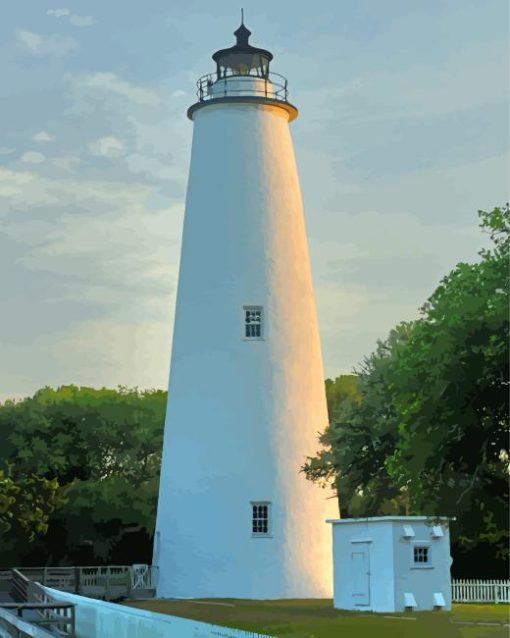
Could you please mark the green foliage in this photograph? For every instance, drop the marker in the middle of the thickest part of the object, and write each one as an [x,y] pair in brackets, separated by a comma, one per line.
[99,450]
[25,507]
[429,434]
[452,450]
[361,438]
[338,391]
[99,514]
[83,433]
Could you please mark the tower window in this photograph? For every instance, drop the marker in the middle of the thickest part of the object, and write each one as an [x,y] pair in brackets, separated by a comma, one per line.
[253,317]
[261,518]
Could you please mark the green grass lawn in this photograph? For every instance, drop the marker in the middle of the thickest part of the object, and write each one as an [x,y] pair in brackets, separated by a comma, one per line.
[318,619]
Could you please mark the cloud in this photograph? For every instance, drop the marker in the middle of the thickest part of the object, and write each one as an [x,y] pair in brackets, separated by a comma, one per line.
[112,83]
[13,183]
[86,248]
[378,271]
[94,195]
[109,352]
[58,13]
[68,163]
[5,150]
[81,21]
[467,79]
[33,157]
[179,93]
[43,137]
[153,168]
[75,19]
[14,177]
[101,269]
[53,45]
[108,146]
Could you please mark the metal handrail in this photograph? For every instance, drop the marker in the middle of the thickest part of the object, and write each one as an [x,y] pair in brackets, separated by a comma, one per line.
[32,596]
[275,86]
[56,614]
[19,583]
[19,628]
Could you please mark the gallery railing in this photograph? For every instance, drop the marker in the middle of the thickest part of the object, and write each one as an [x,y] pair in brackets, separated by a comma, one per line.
[273,86]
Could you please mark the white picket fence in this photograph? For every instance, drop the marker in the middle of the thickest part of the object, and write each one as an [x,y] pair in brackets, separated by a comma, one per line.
[481,591]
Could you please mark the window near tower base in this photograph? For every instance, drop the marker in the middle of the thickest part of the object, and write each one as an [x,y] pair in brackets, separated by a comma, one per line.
[253,322]
[261,518]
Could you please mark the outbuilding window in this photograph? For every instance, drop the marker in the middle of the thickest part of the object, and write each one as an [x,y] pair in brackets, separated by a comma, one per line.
[421,555]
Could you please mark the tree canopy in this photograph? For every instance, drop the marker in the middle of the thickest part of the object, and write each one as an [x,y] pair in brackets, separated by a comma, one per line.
[80,473]
[429,432]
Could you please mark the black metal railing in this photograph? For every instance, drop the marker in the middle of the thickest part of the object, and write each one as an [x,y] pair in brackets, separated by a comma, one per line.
[273,86]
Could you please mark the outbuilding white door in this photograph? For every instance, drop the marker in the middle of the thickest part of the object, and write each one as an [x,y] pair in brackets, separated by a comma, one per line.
[360,570]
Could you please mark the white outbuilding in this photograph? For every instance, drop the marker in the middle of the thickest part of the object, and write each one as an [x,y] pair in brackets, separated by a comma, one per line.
[391,563]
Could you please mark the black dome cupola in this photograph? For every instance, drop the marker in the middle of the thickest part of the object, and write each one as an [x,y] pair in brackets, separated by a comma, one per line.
[242,58]
[242,36]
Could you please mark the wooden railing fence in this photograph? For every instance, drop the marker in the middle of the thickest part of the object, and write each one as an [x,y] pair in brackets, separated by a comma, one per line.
[58,615]
[107,582]
[33,604]
[19,586]
[481,591]
[31,608]
[15,627]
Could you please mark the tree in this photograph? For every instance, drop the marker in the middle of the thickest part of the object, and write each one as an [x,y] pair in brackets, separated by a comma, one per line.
[358,442]
[430,432]
[101,449]
[84,433]
[25,508]
[338,391]
[452,452]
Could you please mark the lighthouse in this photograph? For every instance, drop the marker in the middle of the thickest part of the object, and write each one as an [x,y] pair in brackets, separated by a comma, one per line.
[236,517]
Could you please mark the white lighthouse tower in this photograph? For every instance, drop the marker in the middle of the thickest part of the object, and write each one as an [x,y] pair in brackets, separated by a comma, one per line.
[236,517]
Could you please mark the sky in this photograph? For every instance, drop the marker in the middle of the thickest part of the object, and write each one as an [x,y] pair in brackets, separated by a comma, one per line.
[402,136]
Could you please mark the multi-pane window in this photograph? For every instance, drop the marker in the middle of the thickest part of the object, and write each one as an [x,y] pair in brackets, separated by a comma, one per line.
[260,522]
[421,554]
[253,322]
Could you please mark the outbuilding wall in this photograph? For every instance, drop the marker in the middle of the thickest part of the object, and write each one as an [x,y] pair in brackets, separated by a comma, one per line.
[422,582]
[393,581]
[348,539]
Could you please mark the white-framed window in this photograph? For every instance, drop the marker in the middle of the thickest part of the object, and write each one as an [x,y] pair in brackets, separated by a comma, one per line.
[253,322]
[421,554]
[260,518]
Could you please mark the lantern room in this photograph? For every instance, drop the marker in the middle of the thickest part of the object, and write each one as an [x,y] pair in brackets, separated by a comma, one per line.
[243,76]
[242,58]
